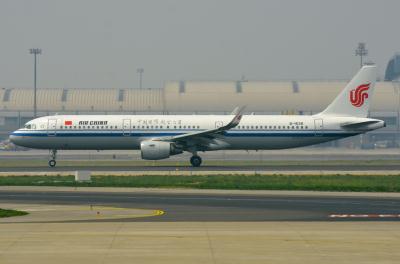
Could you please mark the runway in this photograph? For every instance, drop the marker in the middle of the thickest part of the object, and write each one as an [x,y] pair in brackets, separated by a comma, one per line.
[305,159]
[223,207]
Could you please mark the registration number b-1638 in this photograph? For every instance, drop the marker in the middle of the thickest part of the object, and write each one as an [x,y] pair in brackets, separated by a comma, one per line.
[296,123]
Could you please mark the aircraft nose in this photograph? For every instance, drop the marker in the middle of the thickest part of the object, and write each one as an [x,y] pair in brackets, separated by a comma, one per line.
[14,138]
[19,139]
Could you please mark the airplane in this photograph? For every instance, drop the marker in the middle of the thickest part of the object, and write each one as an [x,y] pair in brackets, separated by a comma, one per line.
[161,136]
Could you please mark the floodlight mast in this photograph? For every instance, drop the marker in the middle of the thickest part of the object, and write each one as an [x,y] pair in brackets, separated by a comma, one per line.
[140,71]
[361,51]
[35,52]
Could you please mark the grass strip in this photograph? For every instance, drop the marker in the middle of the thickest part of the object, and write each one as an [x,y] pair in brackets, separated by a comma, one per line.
[10,213]
[354,183]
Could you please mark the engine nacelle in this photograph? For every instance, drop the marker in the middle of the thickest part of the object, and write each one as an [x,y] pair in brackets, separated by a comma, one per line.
[156,150]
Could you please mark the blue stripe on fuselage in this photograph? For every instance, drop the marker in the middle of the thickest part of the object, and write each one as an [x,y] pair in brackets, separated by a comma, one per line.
[162,134]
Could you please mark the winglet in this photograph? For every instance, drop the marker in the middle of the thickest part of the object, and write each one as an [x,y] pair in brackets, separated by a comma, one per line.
[238,109]
[238,112]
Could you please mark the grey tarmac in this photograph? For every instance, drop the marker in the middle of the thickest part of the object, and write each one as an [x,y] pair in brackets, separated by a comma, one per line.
[220,206]
[222,168]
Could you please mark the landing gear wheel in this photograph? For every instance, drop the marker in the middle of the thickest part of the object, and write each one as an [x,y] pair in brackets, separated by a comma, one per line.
[52,163]
[195,161]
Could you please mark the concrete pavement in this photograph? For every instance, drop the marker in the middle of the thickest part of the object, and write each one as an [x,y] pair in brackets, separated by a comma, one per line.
[200,242]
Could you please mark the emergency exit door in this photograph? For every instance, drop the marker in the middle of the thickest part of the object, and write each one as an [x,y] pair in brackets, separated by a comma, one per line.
[126,127]
[319,126]
[219,124]
[51,127]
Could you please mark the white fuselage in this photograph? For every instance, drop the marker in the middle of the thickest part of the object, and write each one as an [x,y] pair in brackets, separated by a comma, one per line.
[254,132]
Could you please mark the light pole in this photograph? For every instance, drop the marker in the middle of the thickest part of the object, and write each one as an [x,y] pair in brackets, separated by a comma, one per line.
[35,52]
[361,51]
[140,71]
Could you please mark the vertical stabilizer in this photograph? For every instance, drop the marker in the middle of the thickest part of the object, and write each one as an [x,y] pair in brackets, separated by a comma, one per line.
[355,98]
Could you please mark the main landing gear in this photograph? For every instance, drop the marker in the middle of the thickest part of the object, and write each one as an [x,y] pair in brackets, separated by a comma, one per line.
[195,161]
[52,162]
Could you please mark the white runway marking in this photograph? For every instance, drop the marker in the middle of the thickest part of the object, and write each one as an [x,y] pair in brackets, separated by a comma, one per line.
[364,216]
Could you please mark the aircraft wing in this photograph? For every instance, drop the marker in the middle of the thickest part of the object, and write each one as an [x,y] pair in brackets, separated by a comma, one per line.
[204,137]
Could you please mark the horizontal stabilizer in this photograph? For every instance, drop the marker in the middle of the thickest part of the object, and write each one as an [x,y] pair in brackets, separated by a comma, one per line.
[364,125]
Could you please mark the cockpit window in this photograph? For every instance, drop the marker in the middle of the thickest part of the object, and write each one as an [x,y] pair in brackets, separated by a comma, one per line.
[28,126]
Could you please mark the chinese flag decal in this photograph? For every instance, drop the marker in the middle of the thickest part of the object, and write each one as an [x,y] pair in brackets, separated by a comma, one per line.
[68,123]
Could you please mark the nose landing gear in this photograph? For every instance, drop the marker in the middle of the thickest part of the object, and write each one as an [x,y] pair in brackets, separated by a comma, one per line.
[52,162]
[195,161]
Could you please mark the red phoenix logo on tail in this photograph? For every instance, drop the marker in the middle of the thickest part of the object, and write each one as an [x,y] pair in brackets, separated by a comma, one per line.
[358,95]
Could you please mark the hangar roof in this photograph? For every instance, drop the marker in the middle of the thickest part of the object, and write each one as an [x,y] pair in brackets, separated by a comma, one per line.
[190,96]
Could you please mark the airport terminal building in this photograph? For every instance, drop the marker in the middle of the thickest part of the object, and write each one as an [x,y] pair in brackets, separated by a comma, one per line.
[204,97]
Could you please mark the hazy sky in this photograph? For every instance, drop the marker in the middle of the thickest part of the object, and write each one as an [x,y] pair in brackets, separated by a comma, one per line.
[100,43]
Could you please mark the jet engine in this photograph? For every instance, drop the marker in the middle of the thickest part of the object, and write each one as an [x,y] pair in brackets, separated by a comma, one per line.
[156,150]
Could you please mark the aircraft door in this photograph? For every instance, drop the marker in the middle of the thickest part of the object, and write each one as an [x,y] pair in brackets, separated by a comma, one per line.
[126,127]
[51,127]
[219,124]
[319,126]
